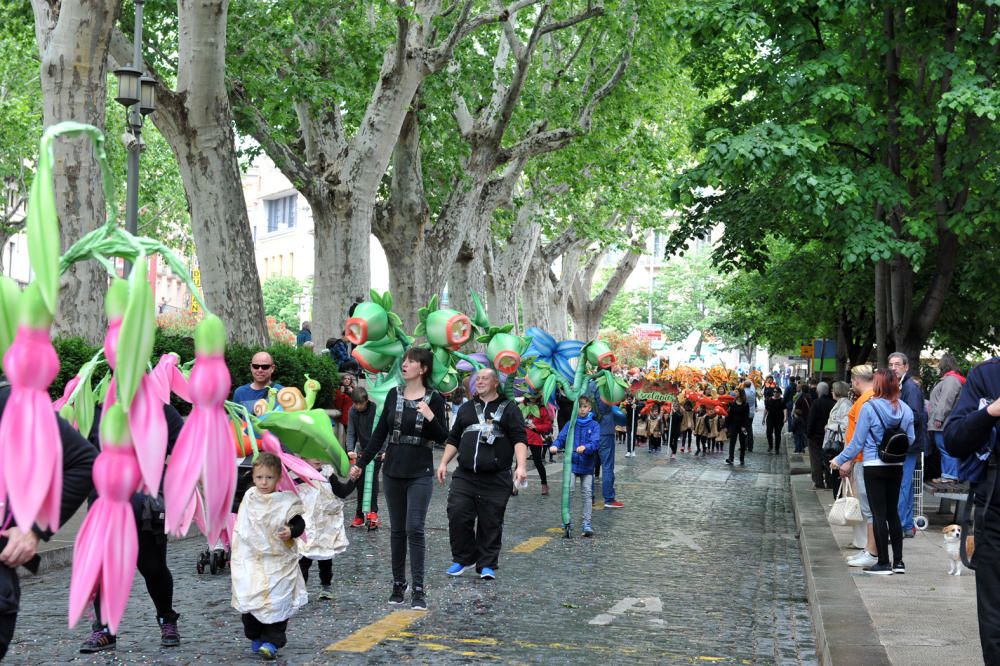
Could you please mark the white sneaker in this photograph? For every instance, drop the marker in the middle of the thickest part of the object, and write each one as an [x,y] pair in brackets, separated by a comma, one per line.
[862,559]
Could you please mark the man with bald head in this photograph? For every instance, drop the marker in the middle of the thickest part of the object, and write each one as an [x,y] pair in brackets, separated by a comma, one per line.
[487,436]
[261,367]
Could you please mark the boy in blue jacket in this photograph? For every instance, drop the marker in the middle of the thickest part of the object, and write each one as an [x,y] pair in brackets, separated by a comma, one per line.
[586,443]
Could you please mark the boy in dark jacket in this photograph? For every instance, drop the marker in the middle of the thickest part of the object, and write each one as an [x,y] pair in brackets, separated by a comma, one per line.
[586,443]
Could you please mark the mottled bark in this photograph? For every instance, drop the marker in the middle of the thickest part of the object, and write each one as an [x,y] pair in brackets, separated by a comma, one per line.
[73,38]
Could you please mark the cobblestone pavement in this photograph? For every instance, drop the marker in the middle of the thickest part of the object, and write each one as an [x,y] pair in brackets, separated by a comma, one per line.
[701,565]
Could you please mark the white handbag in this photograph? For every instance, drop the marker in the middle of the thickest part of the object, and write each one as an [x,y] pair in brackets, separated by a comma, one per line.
[846,509]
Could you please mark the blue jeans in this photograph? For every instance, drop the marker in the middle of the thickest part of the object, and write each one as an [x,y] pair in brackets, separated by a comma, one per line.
[949,465]
[905,506]
[607,452]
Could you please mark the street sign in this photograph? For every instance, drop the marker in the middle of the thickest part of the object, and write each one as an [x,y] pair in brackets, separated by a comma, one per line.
[806,351]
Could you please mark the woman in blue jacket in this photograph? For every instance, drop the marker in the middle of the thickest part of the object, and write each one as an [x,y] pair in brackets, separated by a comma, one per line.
[882,480]
[586,443]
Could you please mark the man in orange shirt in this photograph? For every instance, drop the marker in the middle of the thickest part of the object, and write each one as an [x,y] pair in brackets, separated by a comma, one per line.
[862,381]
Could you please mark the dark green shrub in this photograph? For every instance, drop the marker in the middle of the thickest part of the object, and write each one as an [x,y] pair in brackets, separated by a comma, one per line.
[73,354]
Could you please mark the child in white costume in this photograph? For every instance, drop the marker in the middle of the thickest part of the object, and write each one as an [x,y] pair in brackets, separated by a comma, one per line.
[325,536]
[267,583]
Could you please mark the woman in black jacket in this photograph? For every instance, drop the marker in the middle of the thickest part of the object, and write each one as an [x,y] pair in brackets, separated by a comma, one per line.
[737,423]
[774,419]
[413,419]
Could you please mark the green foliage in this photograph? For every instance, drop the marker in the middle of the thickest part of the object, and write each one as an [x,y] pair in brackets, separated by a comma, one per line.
[20,106]
[866,128]
[279,299]
[684,298]
[73,354]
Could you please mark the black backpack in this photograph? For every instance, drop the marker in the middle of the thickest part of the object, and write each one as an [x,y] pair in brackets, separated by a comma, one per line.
[894,445]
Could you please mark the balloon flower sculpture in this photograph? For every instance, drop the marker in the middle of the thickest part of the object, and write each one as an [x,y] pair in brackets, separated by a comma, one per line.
[550,364]
[133,431]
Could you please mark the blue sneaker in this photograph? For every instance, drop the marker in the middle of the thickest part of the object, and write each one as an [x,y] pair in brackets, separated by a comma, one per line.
[488,574]
[267,651]
[457,569]
[255,645]
[588,531]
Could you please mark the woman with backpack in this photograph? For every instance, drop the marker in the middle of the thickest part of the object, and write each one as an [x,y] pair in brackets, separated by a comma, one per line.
[883,434]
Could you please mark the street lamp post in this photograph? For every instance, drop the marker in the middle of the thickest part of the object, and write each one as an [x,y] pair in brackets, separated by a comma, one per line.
[137,93]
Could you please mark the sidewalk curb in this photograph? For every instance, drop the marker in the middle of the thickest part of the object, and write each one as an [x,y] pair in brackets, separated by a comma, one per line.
[845,632]
[59,558]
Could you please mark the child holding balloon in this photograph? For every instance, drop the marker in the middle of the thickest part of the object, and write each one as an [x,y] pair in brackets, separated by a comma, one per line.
[586,442]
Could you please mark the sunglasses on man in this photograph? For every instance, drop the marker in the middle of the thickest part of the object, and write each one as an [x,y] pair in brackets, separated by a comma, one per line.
[257,366]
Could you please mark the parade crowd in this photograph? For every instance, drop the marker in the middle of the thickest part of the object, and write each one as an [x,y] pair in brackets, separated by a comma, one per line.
[872,432]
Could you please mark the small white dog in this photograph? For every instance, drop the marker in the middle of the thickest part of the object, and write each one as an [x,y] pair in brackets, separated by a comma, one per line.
[952,540]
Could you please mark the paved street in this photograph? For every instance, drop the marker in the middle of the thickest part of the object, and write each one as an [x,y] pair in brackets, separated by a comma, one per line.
[701,565]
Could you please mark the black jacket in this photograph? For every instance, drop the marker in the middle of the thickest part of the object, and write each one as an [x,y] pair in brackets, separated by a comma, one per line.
[406,460]
[738,418]
[969,426]
[819,414]
[78,462]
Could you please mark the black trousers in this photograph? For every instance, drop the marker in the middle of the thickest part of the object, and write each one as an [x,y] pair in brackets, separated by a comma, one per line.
[152,564]
[774,434]
[538,457]
[359,512]
[882,485]
[325,570]
[273,633]
[987,562]
[654,443]
[408,500]
[743,444]
[816,460]
[475,523]
[10,597]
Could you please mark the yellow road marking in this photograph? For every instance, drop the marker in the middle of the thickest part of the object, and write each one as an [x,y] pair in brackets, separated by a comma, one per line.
[555,530]
[434,642]
[366,638]
[531,545]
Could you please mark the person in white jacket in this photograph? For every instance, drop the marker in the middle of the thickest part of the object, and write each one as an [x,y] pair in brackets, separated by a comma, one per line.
[836,427]
[267,584]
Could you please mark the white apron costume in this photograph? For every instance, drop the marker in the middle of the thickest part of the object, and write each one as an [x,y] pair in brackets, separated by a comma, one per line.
[267,582]
[325,535]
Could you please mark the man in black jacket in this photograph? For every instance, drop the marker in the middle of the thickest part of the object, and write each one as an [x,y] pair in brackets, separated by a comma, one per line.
[819,414]
[19,547]
[971,429]
[487,436]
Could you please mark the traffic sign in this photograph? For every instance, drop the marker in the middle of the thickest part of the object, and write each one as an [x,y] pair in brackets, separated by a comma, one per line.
[806,351]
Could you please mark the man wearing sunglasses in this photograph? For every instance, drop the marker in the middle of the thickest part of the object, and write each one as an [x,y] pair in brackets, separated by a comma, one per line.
[261,367]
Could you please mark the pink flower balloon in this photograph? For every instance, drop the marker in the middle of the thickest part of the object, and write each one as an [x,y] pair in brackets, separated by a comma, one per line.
[30,446]
[107,545]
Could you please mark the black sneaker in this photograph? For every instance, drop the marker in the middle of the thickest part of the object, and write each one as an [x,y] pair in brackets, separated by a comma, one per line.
[879,570]
[899,568]
[398,590]
[417,600]
[169,636]
[99,641]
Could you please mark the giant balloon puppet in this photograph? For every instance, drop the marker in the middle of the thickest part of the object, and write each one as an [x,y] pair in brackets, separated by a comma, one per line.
[199,481]
[536,362]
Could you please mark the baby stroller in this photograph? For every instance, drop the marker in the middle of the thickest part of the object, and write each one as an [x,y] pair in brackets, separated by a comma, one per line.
[216,559]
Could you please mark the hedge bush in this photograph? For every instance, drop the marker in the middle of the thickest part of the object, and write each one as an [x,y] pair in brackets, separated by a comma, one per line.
[291,364]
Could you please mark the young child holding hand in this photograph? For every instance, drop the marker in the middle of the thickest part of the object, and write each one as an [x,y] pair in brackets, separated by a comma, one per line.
[586,441]
[267,583]
[325,535]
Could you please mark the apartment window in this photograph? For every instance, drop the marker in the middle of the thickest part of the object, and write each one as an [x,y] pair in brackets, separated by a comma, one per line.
[280,213]
[281,268]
